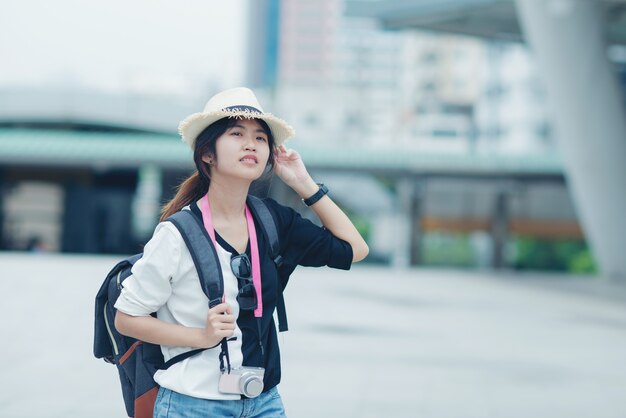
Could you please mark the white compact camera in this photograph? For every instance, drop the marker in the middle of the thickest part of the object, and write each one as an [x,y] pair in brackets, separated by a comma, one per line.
[246,381]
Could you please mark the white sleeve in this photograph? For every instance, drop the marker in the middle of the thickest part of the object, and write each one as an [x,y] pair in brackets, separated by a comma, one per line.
[149,286]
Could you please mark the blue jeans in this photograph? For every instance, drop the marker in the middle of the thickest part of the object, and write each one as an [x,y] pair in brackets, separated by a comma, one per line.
[170,404]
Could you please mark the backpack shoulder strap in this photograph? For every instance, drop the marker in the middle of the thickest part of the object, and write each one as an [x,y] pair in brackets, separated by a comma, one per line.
[197,241]
[206,262]
[268,225]
[259,208]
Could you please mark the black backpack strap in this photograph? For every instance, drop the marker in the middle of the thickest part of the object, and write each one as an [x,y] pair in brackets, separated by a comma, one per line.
[207,264]
[268,225]
[203,254]
[181,357]
[281,312]
[259,208]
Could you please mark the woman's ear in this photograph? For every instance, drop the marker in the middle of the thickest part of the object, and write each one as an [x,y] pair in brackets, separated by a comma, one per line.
[208,159]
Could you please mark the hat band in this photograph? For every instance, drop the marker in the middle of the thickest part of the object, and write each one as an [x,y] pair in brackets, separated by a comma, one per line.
[242,108]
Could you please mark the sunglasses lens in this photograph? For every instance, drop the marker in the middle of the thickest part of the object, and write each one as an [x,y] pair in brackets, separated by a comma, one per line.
[242,269]
[247,297]
[241,266]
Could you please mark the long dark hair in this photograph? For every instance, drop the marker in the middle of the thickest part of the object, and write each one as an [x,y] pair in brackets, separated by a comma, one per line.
[197,185]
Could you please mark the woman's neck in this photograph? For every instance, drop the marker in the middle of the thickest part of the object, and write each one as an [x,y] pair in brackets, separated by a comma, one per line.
[228,200]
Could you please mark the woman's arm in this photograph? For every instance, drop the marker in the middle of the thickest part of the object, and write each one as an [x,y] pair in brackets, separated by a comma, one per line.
[290,168]
[220,324]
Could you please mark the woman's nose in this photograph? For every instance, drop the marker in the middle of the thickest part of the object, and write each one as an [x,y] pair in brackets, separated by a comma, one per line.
[250,144]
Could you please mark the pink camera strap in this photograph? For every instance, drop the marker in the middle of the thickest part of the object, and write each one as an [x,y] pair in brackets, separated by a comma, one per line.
[207,219]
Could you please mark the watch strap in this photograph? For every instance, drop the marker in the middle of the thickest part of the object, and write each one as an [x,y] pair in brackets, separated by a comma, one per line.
[317,195]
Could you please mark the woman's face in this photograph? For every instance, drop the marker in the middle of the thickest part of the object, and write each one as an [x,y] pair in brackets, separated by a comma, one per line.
[242,151]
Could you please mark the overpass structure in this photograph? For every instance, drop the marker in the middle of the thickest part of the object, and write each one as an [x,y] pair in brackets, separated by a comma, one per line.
[103,150]
[569,39]
[103,164]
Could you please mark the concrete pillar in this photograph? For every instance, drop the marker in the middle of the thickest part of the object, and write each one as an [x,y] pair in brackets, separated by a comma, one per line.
[415,213]
[499,228]
[3,187]
[146,205]
[410,197]
[566,37]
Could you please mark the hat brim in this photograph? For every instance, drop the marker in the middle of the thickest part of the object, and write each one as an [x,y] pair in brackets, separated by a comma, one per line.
[190,127]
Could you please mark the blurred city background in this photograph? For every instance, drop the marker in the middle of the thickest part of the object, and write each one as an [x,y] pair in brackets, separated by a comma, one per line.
[430,121]
[478,145]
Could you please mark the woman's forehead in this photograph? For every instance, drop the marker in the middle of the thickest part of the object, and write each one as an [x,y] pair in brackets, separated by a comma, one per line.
[248,123]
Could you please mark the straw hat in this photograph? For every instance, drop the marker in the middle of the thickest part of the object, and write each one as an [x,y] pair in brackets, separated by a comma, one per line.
[239,102]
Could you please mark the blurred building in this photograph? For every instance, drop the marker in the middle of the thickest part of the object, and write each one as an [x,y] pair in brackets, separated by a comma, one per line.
[425,139]
[438,92]
[348,84]
[570,40]
[511,112]
[80,188]
[263,44]
[343,74]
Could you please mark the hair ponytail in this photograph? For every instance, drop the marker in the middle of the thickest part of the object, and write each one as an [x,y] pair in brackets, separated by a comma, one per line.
[190,190]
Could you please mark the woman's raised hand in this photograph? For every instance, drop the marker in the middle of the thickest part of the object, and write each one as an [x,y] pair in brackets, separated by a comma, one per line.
[289,166]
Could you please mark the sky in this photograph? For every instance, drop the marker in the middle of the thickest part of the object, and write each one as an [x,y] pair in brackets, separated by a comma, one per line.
[138,46]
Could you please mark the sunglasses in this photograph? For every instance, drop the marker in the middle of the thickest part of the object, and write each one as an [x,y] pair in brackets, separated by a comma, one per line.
[242,269]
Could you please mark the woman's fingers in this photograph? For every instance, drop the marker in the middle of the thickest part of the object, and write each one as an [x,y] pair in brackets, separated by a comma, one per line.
[221,317]
[286,154]
[220,323]
[221,309]
[227,326]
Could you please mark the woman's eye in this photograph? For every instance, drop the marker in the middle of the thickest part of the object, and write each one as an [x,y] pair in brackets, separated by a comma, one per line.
[261,138]
[236,133]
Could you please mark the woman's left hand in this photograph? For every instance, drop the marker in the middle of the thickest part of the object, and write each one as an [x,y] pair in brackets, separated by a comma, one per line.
[289,166]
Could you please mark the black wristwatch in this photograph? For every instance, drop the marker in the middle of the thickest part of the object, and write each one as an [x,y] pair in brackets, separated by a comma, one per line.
[317,196]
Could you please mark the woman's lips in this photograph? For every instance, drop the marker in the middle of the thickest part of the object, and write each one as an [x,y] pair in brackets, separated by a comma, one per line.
[249,159]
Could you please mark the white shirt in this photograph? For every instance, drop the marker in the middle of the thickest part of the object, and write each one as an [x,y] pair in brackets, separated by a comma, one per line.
[165,281]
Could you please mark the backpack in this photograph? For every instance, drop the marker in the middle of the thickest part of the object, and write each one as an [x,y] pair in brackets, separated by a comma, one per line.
[138,361]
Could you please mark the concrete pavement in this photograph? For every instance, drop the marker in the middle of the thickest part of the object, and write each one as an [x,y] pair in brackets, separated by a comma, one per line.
[428,343]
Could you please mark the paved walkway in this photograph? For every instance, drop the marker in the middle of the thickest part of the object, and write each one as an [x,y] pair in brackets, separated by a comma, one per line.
[431,343]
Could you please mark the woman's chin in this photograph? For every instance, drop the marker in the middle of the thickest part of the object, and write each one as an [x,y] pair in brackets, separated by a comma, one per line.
[249,175]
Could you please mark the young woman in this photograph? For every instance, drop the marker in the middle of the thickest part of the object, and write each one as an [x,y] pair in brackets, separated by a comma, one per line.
[234,142]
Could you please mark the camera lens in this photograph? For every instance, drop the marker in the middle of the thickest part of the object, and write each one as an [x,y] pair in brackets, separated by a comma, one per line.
[251,386]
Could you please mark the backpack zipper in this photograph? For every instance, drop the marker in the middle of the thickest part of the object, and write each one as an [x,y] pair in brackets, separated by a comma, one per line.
[106,322]
[119,285]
